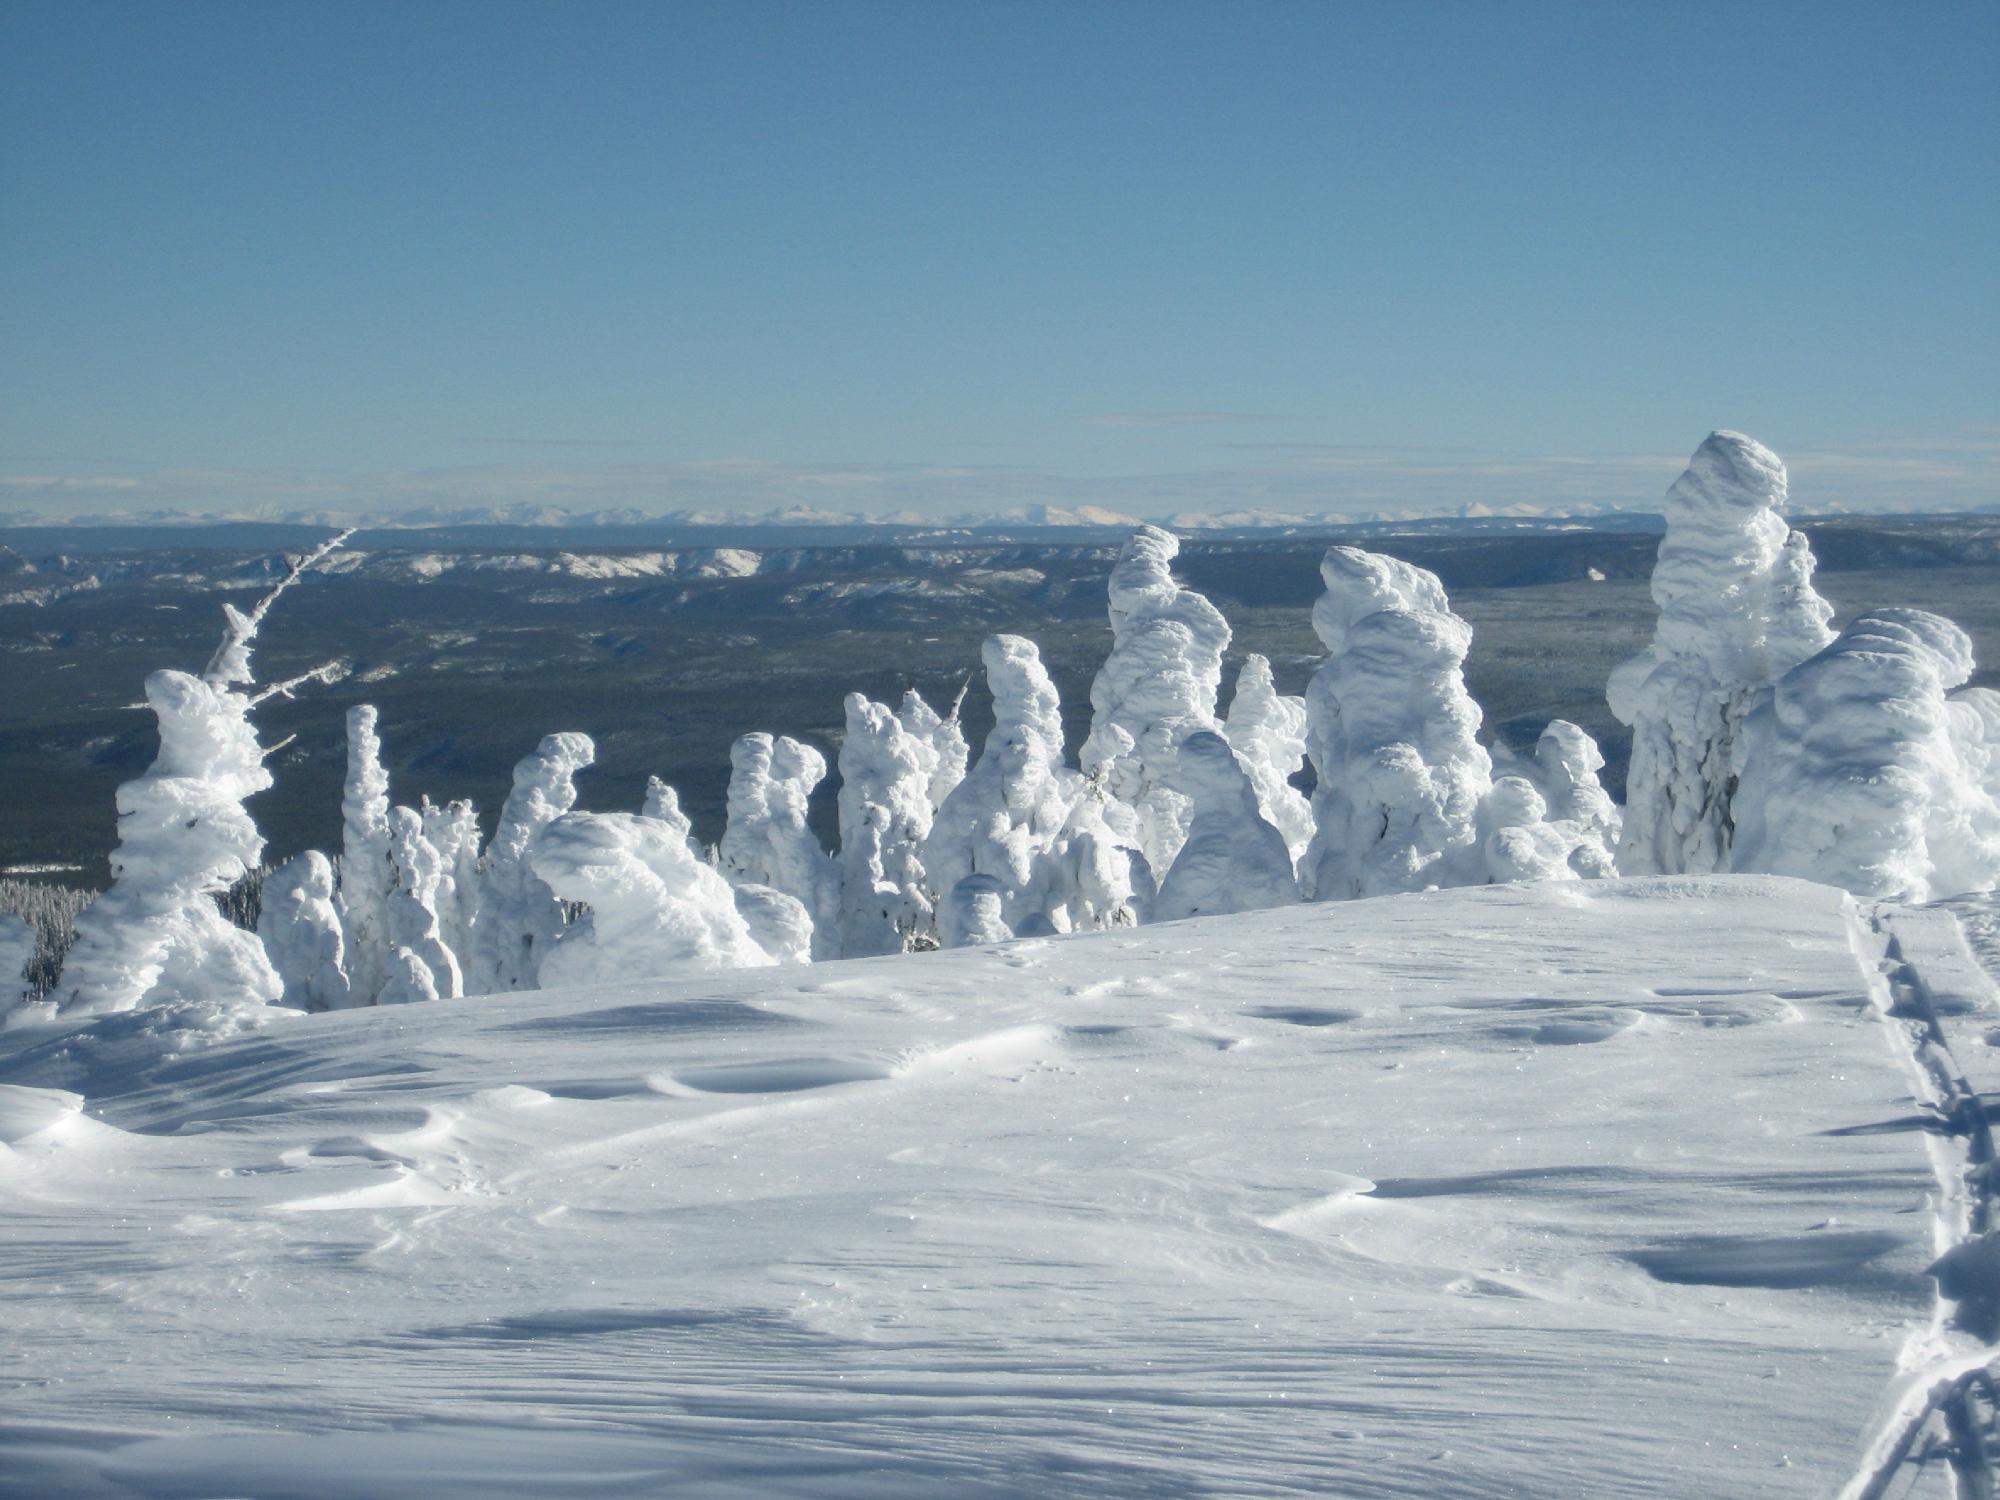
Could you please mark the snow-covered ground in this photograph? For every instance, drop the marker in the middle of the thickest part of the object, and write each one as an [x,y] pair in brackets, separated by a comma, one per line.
[1584,1189]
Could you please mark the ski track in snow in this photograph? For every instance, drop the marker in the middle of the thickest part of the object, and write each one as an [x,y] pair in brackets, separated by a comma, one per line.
[1598,1190]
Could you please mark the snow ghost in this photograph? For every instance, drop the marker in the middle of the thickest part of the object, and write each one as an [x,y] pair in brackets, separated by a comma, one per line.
[1737,611]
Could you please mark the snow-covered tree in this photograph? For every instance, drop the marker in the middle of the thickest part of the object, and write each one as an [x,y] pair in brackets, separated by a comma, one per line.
[300,924]
[767,840]
[366,877]
[1737,611]
[1007,817]
[1581,817]
[655,910]
[1157,686]
[945,752]
[885,815]
[157,936]
[1267,730]
[453,831]
[1853,775]
[412,909]
[1393,734]
[519,916]
[1234,859]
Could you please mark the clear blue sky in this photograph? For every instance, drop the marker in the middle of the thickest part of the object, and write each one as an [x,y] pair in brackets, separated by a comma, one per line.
[951,255]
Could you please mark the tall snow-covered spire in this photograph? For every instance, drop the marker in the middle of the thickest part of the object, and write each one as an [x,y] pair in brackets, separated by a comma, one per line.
[1157,686]
[1737,611]
[885,816]
[366,876]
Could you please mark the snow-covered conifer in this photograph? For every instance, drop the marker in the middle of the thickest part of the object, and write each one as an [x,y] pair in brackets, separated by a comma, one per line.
[453,830]
[1267,730]
[1737,611]
[1852,772]
[885,815]
[157,936]
[366,877]
[943,740]
[767,840]
[655,909]
[302,932]
[1392,733]
[412,909]
[1158,685]
[1234,858]
[1007,817]
[519,916]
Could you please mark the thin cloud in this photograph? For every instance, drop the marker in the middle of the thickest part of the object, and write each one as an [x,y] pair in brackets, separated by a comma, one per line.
[1175,418]
[538,442]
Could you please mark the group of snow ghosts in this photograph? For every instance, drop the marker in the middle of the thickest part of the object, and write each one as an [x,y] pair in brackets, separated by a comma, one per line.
[1761,741]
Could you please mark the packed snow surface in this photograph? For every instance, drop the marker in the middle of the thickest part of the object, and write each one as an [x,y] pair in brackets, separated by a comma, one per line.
[1582,1188]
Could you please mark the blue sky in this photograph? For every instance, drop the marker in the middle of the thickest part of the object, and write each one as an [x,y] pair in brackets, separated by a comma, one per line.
[950,256]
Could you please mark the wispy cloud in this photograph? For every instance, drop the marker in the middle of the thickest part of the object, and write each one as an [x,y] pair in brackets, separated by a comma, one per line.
[546,442]
[1175,418]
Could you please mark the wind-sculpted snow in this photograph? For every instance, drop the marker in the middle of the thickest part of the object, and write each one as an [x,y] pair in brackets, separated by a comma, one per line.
[1608,1189]
[664,803]
[1853,774]
[1157,686]
[519,917]
[453,831]
[299,922]
[885,816]
[1007,817]
[1267,730]
[766,840]
[1393,734]
[655,910]
[1234,859]
[1737,611]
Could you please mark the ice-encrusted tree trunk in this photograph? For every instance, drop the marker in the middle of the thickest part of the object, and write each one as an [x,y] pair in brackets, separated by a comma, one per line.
[299,921]
[766,839]
[1737,611]
[1157,686]
[412,910]
[1853,774]
[655,910]
[885,816]
[519,916]
[1267,730]
[1393,735]
[1007,817]
[945,752]
[157,936]
[366,877]
[1235,859]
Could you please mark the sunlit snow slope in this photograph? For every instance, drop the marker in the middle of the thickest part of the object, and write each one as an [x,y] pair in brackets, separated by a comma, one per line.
[1587,1189]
